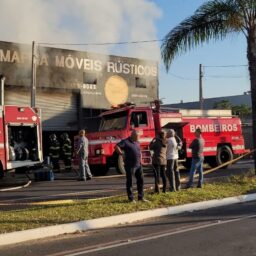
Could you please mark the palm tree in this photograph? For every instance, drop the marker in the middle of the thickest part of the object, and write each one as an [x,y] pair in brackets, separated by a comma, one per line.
[215,20]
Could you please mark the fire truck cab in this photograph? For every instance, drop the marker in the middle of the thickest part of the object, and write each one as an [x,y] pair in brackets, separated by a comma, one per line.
[221,131]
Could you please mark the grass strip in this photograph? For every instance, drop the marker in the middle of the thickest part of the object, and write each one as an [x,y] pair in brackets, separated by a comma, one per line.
[45,215]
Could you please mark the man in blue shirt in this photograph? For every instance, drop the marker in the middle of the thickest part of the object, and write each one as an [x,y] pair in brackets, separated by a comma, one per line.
[130,149]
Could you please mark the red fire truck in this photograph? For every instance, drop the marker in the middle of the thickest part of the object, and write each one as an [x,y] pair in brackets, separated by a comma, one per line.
[221,131]
[20,136]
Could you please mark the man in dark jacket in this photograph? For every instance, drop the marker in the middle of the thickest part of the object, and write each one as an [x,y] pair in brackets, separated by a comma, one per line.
[197,147]
[130,149]
[54,151]
[158,146]
[66,149]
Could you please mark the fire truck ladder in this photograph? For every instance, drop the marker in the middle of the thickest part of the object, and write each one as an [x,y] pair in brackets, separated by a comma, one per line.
[145,155]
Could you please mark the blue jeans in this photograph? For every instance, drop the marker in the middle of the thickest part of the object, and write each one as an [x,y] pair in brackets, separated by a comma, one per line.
[84,169]
[138,172]
[196,165]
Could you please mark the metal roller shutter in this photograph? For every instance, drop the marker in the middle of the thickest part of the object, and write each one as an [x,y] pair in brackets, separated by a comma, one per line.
[59,109]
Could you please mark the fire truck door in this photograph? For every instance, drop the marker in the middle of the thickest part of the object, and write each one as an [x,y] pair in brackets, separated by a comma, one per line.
[139,121]
[177,127]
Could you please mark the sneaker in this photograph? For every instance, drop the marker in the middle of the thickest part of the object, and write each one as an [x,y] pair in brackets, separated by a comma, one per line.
[89,177]
[132,201]
[143,200]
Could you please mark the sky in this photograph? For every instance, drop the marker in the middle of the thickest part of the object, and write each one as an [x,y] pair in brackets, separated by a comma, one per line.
[91,21]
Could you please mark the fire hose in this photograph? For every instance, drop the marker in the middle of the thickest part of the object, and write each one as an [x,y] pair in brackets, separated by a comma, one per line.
[228,163]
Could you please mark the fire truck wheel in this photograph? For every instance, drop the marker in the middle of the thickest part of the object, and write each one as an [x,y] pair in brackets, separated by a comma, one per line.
[211,160]
[120,165]
[99,170]
[187,163]
[224,154]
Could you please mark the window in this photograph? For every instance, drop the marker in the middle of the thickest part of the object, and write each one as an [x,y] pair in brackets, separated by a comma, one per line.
[139,119]
[140,82]
[90,78]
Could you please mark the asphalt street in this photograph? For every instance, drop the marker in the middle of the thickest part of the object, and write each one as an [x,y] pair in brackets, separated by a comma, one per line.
[228,230]
[66,186]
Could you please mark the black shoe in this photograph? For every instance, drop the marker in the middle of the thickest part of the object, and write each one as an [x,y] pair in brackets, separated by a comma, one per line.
[89,177]
[188,186]
[199,186]
[81,179]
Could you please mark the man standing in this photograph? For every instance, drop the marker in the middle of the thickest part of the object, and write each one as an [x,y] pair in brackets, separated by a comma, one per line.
[82,152]
[158,146]
[173,173]
[132,164]
[197,147]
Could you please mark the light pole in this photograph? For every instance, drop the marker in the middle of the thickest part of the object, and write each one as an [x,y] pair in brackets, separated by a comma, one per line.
[33,77]
[201,99]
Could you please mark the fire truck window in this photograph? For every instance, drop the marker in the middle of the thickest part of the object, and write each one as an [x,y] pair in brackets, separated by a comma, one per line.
[139,119]
[115,121]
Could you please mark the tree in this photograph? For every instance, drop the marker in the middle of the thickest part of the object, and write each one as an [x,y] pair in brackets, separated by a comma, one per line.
[215,20]
[241,110]
[223,104]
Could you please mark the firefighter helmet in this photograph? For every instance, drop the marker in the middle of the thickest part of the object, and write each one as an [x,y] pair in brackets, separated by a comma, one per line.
[64,136]
[53,137]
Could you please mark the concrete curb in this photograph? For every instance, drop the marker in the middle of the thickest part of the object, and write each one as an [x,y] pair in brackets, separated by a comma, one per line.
[31,234]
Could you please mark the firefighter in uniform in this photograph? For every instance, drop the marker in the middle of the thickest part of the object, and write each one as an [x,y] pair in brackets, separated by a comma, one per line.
[54,151]
[66,149]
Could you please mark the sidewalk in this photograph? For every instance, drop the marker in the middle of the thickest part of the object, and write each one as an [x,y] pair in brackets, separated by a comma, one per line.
[31,234]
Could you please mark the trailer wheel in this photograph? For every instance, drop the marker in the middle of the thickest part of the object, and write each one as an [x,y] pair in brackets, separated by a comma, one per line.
[224,154]
[120,165]
[99,170]
[12,155]
[1,171]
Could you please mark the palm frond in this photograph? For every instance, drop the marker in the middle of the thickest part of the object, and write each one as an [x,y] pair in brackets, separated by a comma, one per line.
[213,20]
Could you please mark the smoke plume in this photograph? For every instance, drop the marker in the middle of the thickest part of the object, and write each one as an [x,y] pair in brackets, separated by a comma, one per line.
[83,21]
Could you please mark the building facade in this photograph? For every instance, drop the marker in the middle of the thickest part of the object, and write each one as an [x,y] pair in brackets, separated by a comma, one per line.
[73,87]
